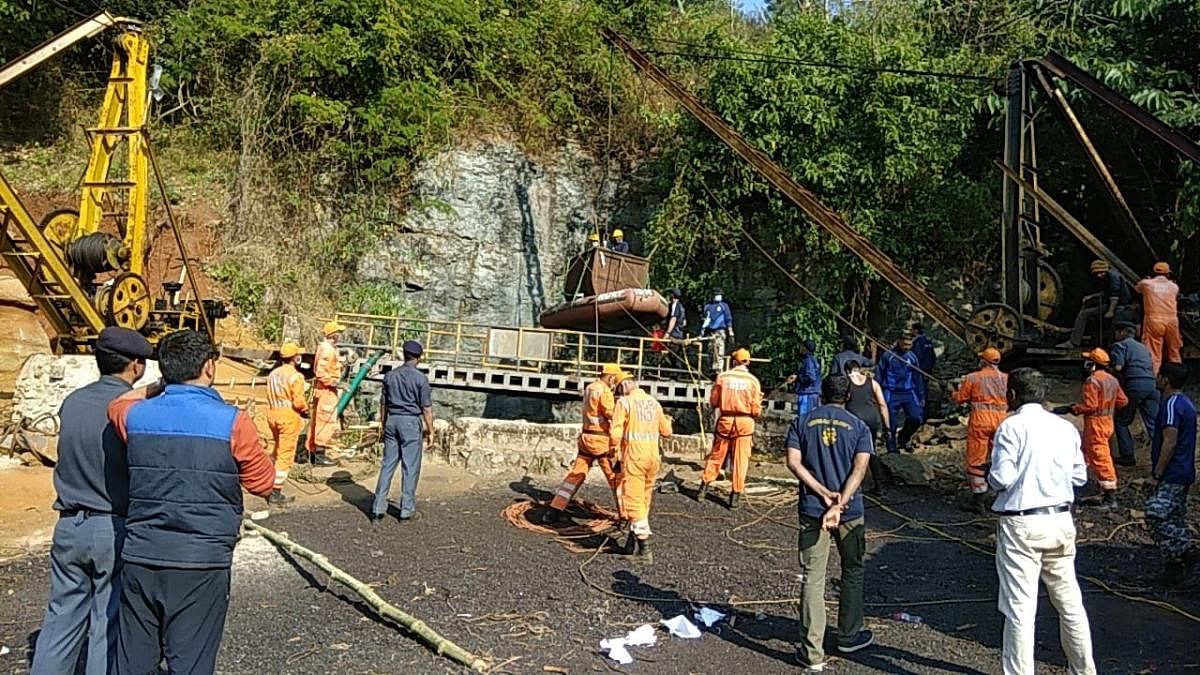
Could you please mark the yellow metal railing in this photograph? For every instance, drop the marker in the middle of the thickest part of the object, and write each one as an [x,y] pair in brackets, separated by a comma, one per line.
[528,349]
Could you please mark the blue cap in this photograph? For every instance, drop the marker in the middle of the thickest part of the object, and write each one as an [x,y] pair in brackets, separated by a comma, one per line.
[128,343]
[413,348]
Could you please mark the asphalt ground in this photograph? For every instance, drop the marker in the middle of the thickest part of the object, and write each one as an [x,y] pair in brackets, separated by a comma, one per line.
[529,605]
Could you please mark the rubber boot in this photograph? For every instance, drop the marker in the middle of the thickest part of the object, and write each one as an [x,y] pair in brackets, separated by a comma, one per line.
[630,546]
[644,555]
[702,494]
[301,456]
[551,516]
[319,458]
[735,498]
[1108,501]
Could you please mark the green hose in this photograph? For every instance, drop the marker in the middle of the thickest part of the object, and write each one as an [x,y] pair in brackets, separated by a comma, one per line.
[355,382]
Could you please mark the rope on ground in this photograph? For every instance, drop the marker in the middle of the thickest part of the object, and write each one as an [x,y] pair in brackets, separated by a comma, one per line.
[596,521]
[440,645]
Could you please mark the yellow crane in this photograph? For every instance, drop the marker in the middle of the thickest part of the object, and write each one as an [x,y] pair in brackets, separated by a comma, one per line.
[83,278]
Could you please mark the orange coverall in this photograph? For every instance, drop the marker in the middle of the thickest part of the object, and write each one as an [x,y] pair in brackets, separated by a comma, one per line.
[637,424]
[1160,322]
[327,369]
[1102,395]
[593,444]
[285,396]
[738,395]
[985,390]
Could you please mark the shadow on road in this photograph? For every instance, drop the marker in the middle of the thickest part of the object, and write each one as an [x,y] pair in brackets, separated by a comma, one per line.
[525,487]
[352,493]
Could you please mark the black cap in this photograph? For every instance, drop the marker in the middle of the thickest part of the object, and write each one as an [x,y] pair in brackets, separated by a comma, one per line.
[676,293]
[1125,325]
[412,348]
[125,342]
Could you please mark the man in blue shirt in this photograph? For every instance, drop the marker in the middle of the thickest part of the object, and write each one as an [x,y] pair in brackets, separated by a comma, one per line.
[849,353]
[1135,370]
[897,374]
[718,325]
[926,358]
[829,450]
[1173,468]
[407,417]
[807,379]
[676,315]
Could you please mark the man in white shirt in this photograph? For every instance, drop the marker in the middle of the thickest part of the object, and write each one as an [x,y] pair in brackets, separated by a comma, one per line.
[1037,462]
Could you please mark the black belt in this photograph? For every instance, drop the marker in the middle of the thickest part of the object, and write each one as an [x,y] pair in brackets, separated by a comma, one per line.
[1042,511]
[86,513]
[398,413]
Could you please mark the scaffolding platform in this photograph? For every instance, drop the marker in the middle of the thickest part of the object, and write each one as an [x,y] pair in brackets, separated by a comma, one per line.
[538,362]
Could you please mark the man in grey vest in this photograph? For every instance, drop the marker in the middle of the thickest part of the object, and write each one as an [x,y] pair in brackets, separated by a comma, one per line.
[92,483]
[1134,369]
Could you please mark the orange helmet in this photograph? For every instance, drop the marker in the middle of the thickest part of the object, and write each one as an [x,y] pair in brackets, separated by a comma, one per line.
[1097,356]
[991,355]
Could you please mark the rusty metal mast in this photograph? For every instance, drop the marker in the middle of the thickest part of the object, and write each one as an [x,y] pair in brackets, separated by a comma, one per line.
[796,193]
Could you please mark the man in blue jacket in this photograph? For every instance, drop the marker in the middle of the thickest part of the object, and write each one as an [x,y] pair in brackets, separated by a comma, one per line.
[898,375]
[718,326]
[807,379]
[922,346]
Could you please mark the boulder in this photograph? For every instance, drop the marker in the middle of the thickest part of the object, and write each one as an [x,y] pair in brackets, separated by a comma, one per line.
[908,469]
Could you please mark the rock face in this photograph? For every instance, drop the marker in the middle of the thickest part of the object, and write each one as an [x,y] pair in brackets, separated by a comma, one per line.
[489,231]
[46,380]
[23,332]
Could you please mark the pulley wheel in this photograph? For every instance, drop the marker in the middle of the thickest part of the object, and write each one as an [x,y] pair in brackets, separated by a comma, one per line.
[127,301]
[1050,291]
[993,325]
[58,227]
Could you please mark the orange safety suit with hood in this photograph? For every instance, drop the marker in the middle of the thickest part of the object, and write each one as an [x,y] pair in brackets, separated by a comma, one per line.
[737,395]
[285,398]
[986,392]
[1160,320]
[327,372]
[594,445]
[1102,395]
[638,422]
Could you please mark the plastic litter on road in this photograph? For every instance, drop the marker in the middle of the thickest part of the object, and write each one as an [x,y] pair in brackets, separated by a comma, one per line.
[708,616]
[681,627]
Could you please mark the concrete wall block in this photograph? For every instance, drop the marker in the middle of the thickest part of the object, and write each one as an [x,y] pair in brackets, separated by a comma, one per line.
[46,380]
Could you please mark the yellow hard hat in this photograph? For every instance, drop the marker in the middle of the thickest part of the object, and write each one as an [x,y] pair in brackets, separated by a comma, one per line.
[618,233]
[624,377]
[289,350]
[991,355]
[1097,355]
[1161,267]
[1099,266]
[741,355]
[332,327]
[593,237]
[612,369]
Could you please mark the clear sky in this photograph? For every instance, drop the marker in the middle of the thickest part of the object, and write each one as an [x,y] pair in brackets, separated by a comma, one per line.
[751,6]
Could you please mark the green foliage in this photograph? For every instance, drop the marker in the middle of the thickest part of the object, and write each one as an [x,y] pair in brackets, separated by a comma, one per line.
[787,330]
[246,288]
[379,299]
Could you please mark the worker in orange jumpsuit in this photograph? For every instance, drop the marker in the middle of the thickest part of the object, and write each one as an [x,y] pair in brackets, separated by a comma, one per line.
[593,444]
[1160,320]
[638,422]
[1102,396]
[737,398]
[285,396]
[985,391]
[327,371]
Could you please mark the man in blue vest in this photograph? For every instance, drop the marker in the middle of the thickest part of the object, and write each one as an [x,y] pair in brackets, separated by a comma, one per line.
[718,326]
[190,454]
[807,379]
[897,374]
[93,492]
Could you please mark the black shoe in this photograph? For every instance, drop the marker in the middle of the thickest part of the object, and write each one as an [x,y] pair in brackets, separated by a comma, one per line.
[864,639]
[319,458]
[415,515]
[277,498]
[735,499]
[301,457]
[376,518]
[1108,501]
[1173,574]
[551,516]
[702,494]
[1129,460]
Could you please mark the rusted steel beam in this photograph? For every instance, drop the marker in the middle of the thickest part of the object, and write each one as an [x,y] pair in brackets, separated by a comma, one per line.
[800,196]
[1061,67]
[1083,235]
[1129,222]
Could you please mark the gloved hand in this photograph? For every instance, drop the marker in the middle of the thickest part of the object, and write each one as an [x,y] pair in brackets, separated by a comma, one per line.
[1061,410]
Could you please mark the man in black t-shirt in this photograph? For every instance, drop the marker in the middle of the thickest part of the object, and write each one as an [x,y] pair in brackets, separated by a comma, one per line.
[829,450]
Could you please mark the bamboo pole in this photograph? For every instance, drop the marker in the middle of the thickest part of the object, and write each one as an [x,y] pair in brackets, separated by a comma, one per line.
[441,645]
